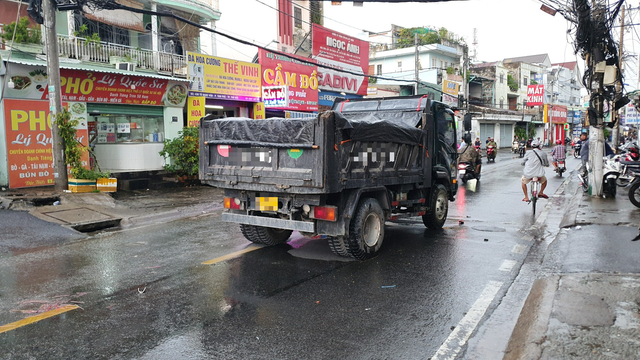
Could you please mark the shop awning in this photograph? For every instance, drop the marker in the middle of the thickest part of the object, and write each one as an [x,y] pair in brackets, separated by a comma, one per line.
[90,67]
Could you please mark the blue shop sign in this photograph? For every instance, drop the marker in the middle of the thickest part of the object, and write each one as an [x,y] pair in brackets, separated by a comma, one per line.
[577,114]
[326,98]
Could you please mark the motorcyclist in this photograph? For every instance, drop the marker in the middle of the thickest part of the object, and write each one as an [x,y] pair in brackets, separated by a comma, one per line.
[534,163]
[492,143]
[469,154]
[559,152]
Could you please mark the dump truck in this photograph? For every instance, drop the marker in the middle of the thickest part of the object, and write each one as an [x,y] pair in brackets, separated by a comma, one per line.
[342,173]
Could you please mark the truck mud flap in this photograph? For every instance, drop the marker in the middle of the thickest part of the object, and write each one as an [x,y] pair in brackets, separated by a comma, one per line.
[269,222]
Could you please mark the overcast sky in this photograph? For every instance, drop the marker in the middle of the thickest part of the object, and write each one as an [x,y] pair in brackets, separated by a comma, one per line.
[505,28]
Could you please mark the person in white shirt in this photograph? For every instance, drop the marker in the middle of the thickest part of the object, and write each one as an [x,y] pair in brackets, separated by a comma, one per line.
[534,162]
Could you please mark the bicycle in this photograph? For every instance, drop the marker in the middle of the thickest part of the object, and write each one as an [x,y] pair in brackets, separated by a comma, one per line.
[535,188]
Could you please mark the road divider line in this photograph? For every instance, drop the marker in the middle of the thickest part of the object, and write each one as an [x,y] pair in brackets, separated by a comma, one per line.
[233,255]
[36,318]
[507,265]
[460,335]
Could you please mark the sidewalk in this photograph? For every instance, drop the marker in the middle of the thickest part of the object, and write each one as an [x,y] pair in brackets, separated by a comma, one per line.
[586,303]
[88,212]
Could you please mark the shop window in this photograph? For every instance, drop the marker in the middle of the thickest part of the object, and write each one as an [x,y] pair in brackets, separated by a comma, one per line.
[121,129]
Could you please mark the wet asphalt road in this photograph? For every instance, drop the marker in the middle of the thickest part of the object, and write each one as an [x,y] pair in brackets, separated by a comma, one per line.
[144,293]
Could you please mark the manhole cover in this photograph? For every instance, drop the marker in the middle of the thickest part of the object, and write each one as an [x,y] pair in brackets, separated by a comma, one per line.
[78,215]
[489,228]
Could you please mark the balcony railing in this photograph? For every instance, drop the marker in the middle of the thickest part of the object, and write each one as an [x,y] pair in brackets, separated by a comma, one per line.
[108,53]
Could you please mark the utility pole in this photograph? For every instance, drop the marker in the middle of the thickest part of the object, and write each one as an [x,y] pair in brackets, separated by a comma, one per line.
[596,133]
[465,71]
[55,97]
[615,136]
[417,61]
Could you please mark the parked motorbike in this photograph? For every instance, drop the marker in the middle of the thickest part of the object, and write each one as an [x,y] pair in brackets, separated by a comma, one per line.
[634,190]
[522,148]
[491,154]
[576,150]
[467,172]
[611,175]
[561,167]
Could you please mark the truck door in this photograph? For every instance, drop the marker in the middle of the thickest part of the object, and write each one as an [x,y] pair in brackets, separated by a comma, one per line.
[446,147]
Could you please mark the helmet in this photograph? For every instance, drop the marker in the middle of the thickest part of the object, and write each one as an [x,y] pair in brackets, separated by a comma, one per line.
[558,142]
[535,144]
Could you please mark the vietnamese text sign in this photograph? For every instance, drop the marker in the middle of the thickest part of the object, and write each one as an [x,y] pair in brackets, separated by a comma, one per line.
[343,52]
[195,110]
[29,142]
[275,96]
[300,78]
[555,114]
[632,116]
[258,111]
[451,88]
[94,87]
[535,95]
[219,78]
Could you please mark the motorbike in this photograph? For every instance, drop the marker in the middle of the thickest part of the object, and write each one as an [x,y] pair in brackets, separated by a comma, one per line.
[611,175]
[561,167]
[515,146]
[576,150]
[478,149]
[491,154]
[634,189]
[467,172]
[522,148]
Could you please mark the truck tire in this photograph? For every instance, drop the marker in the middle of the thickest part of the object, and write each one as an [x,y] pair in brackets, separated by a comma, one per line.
[265,235]
[338,246]
[437,215]
[366,230]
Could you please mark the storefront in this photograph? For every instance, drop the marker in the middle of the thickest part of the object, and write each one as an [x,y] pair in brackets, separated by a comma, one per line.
[126,117]
[555,116]
[326,99]
[288,84]
[221,87]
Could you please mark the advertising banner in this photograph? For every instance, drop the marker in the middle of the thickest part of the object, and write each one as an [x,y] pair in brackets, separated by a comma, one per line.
[535,95]
[29,142]
[259,111]
[195,110]
[555,114]
[343,52]
[275,96]
[219,78]
[300,78]
[632,116]
[30,82]
[451,88]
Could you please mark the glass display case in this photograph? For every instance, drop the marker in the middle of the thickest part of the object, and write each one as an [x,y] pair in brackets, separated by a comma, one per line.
[122,129]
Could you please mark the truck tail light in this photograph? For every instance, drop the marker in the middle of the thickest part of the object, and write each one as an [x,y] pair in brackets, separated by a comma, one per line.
[232,203]
[324,213]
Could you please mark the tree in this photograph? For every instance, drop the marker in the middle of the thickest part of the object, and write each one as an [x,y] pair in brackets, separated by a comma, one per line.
[405,37]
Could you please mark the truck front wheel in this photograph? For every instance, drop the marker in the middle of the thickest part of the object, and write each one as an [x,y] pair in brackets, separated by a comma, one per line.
[265,235]
[366,230]
[437,214]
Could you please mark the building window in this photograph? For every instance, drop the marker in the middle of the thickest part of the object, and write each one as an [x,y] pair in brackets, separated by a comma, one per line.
[434,63]
[441,64]
[525,81]
[501,81]
[399,64]
[379,69]
[501,102]
[297,17]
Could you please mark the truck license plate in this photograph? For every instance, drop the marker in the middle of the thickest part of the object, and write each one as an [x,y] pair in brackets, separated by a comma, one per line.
[267,203]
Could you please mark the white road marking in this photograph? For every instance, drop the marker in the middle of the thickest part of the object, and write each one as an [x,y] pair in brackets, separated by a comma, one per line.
[460,335]
[507,265]
[519,249]
[527,238]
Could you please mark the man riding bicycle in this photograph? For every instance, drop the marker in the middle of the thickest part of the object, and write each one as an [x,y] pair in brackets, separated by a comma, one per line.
[534,162]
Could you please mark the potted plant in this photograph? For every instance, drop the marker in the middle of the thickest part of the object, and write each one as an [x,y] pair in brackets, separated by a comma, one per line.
[20,37]
[183,153]
[81,179]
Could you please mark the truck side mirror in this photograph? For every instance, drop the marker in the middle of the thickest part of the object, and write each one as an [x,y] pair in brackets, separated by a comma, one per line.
[466,122]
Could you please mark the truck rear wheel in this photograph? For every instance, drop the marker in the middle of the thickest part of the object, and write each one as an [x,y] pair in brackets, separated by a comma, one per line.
[338,246]
[265,235]
[437,214]
[366,230]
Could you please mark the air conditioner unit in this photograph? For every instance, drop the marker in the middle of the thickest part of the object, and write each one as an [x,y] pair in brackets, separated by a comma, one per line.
[126,66]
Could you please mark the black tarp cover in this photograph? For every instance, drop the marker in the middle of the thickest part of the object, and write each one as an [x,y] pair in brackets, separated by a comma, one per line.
[272,132]
[382,126]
